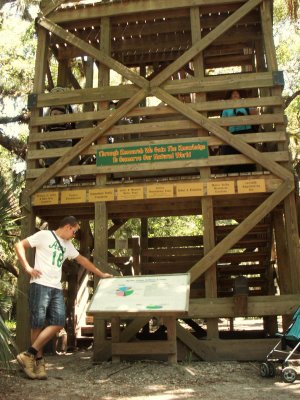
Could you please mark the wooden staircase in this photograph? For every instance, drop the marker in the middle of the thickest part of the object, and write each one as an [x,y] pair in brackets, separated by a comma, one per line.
[251,257]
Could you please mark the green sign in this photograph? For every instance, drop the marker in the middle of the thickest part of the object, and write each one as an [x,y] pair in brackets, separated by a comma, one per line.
[151,153]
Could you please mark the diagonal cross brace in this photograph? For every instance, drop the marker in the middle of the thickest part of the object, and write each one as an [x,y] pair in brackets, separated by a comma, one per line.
[51,7]
[234,236]
[95,134]
[223,134]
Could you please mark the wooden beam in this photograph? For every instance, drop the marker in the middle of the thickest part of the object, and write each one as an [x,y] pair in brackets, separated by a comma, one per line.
[91,51]
[194,344]
[203,43]
[127,8]
[292,240]
[51,6]
[132,328]
[244,227]
[258,306]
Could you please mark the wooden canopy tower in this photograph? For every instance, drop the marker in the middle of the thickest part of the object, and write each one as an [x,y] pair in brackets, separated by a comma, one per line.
[154,77]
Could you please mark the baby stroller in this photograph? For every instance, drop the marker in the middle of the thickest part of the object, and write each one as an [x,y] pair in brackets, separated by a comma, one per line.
[281,354]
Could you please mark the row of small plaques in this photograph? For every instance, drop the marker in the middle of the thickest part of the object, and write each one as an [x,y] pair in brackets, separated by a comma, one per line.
[152,191]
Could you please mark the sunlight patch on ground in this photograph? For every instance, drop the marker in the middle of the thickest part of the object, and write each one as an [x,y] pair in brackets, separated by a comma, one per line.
[176,394]
[290,387]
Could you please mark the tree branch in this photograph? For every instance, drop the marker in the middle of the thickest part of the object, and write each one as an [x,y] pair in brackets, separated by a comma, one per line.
[14,145]
[23,117]
[9,268]
[289,99]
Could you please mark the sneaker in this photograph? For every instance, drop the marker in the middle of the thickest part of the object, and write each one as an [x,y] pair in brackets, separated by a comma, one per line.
[40,369]
[52,182]
[66,181]
[27,363]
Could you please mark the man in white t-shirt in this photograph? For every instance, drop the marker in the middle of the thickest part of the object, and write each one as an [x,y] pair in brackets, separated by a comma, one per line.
[46,301]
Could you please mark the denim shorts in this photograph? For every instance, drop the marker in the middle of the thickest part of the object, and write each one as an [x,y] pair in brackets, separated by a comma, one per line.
[46,306]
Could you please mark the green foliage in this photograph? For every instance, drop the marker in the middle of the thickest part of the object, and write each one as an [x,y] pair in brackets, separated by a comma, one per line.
[175,226]
[6,344]
[9,213]
[9,229]
[17,48]
[287,41]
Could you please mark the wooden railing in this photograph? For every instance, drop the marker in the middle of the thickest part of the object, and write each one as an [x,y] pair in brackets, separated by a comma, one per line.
[160,124]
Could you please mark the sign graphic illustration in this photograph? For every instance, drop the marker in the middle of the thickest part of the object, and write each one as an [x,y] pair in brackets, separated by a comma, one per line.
[124,291]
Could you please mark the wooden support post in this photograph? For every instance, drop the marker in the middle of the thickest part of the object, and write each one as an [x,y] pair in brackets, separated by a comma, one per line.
[136,255]
[115,337]
[100,258]
[144,242]
[63,73]
[101,345]
[292,240]
[206,202]
[284,273]
[23,320]
[28,222]
[72,279]
[267,28]
[170,323]
[290,212]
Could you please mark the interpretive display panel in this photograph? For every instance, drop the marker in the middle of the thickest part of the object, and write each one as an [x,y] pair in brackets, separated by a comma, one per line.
[146,293]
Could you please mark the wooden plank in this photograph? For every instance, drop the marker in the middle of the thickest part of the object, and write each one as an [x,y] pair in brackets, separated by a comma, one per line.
[258,306]
[233,140]
[43,175]
[87,95]
[239,349]
[216,83]
[185,127]
[263,137]
[144,348]
[126,91]
[203,43]
[95,134]
[91,51]
[222,247]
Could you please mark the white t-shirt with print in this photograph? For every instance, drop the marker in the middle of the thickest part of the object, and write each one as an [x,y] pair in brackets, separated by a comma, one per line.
[49,257]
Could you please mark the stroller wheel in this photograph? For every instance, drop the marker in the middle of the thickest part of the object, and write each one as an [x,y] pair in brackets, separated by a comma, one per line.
[265,370]
[272,369]
[289,375]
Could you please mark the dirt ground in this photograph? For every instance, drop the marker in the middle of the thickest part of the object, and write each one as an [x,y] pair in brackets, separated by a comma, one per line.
[74,376]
